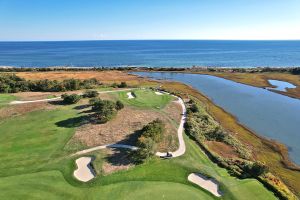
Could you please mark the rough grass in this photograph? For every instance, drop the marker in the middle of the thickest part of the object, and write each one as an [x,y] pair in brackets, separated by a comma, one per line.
[106,77]
[34,165]
[146,99]
[5,99]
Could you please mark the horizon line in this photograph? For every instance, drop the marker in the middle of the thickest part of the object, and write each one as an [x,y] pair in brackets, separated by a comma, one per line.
[86,40]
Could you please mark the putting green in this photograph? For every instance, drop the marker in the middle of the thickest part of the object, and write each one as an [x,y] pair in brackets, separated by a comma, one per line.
[145,99]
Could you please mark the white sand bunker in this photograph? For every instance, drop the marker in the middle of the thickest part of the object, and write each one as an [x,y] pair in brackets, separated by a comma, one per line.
[206,183]
[84,172]
[130,96]
[158,93]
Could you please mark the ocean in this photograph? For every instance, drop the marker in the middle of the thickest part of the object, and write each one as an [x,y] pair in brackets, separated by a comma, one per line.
[151,53]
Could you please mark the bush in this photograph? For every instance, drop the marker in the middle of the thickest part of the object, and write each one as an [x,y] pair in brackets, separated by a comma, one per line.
[122,85]
[119,105]
[151,134]
[146,149]
[10,83]
[154,130]
[90,94]
[105,110]
[70,99]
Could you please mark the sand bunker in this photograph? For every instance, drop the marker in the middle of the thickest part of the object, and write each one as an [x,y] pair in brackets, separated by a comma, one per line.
[84,172]
[130,96]
[206,183]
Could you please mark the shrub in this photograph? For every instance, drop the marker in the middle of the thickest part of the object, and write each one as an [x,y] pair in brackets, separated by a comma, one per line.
[151,134]
[146,149]
[122,85]
[105,110]
[154,130]
[90,94]
[70,99]
[11,83]
[119,105]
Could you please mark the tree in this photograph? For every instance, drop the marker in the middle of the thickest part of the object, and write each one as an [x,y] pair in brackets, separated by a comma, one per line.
[90,94]
[104,109]
[146,149]
[154,130]
[70,99]
[119,105]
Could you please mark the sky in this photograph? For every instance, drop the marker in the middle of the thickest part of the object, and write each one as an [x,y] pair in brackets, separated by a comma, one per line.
[48,20]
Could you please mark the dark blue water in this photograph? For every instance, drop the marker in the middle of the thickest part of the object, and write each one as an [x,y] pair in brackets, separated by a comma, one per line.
[267,113]
[151,53]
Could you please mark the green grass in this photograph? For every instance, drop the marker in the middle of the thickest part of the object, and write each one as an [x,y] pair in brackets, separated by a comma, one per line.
[5,99]
[145,99]
[34,164]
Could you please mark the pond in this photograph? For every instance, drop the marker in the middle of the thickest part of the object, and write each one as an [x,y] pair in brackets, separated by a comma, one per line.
[269,114]
[281,85]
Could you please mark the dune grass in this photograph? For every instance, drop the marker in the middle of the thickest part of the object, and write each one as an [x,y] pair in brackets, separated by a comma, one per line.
[145,99]
[5,99]
[34,164]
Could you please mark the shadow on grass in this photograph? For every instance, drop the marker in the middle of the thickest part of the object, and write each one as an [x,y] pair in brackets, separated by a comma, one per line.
[81,107]
[120,157]
[73,122]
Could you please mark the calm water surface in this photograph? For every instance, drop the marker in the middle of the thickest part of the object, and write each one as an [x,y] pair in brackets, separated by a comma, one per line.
[153,53]
[267,113]
[281,85]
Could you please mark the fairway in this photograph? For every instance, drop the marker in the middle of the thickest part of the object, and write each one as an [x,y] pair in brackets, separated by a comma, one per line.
[34,164]
[5,99]
[146,99]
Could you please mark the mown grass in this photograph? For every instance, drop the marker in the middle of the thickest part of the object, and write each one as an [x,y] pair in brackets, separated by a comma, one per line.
[5,99]
[35,165]
[145,99]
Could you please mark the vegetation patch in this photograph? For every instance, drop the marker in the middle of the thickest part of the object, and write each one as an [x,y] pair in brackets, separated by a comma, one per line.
[145,99]
[5,99]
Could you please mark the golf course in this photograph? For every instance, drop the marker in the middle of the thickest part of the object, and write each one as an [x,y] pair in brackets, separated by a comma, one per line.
[36,162]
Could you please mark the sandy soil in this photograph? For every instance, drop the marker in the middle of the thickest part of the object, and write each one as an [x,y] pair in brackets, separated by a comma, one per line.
[206,183]
[84,172]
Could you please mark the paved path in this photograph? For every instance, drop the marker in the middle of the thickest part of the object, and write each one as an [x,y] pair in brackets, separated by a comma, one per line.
[181,150]
[124,146]
[56,98]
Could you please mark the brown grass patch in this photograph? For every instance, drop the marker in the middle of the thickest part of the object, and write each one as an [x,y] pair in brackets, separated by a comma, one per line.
[124,128]
[107,77]
[20,109]
[222,149]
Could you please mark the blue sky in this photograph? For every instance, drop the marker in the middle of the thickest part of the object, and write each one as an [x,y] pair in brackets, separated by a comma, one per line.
[148,19]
